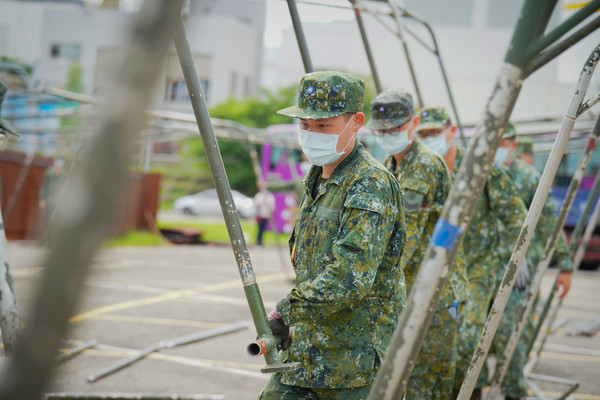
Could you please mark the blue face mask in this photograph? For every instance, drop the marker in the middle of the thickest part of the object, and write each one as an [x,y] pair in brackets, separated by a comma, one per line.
[437,143]
[501,155]
[321,148]
[394,144]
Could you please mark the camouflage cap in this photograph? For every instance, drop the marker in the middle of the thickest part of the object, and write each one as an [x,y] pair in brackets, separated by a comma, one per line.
[525,146]
[390,109]
[510,131]
[327,94]
[432,118]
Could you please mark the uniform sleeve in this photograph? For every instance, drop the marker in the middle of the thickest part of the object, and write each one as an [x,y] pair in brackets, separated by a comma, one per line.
[425,191]
[367,223]
[506,204]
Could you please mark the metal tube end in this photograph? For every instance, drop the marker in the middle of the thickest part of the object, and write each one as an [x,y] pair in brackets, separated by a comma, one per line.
[257,348]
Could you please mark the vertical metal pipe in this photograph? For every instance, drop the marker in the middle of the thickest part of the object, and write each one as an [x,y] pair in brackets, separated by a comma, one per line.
[575,236]
[586,237]
[411,68]
[10,320]
[85,214]
[552,165]
[230,214]
[308,67]
[363,34]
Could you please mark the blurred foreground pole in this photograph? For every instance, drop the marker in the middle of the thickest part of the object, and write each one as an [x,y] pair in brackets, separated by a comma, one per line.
[267,343]
[542,192]
[86,212]
[455,218]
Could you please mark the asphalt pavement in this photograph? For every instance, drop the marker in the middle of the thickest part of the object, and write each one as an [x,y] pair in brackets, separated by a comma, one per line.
[136,297]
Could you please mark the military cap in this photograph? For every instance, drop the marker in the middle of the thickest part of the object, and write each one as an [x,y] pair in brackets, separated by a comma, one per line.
[525,146]
[510,131]
[432,118]
[5,126]
[327,94]
[390,109]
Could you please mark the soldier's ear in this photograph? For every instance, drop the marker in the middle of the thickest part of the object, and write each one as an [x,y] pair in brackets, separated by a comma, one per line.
[358,121]
[416,120]
[452,132]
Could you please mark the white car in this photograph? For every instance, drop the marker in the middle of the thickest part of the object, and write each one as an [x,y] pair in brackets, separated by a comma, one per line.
[207,203]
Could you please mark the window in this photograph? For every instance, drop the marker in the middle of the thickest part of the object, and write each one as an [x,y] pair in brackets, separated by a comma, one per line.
[70,51]
[175,89]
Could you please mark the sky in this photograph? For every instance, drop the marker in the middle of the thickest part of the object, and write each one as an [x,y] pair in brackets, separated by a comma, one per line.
[279,19]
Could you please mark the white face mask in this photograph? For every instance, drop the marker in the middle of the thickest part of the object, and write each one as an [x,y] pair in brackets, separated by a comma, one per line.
[437,143]
[321,148]
[501,155]
[394,144]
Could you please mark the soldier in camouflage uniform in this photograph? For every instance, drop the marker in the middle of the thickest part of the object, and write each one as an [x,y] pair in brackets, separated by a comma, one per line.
[499,204]
[346,246]
[526,179]
[425,182]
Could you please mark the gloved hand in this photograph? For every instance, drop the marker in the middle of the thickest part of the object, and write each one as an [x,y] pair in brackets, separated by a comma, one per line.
[522,279]
[279,328]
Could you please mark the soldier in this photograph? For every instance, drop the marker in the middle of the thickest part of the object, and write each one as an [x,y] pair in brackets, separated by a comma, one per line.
[526,178]
[345,246]
[425,182]
[498,205]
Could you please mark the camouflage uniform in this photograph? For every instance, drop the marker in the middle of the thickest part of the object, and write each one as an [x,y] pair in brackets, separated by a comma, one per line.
[425,182]
[526,179]
[346,244]
[485,257]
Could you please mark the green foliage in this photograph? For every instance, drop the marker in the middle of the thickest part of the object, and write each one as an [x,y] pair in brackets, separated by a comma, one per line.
[136,238]
[257,112]
[28,68]
[75,78]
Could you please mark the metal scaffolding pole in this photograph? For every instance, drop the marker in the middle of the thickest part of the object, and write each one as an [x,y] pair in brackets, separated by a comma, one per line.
[308,67]
[400,35]
[363,34]
[267,343]
[92,199]
[574,241]
[566,128]
[456,216]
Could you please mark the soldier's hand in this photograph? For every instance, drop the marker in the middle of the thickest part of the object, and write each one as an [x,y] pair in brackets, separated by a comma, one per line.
[563,284]
[279,328]
[522,279]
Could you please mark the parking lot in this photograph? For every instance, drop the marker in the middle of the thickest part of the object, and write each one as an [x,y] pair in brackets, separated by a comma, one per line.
[137,297]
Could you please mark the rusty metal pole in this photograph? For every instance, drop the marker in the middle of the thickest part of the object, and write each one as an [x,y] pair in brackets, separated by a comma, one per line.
[87,210]
[543,190]
[267,343]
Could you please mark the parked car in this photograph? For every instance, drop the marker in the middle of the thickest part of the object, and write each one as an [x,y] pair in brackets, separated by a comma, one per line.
[207,203]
